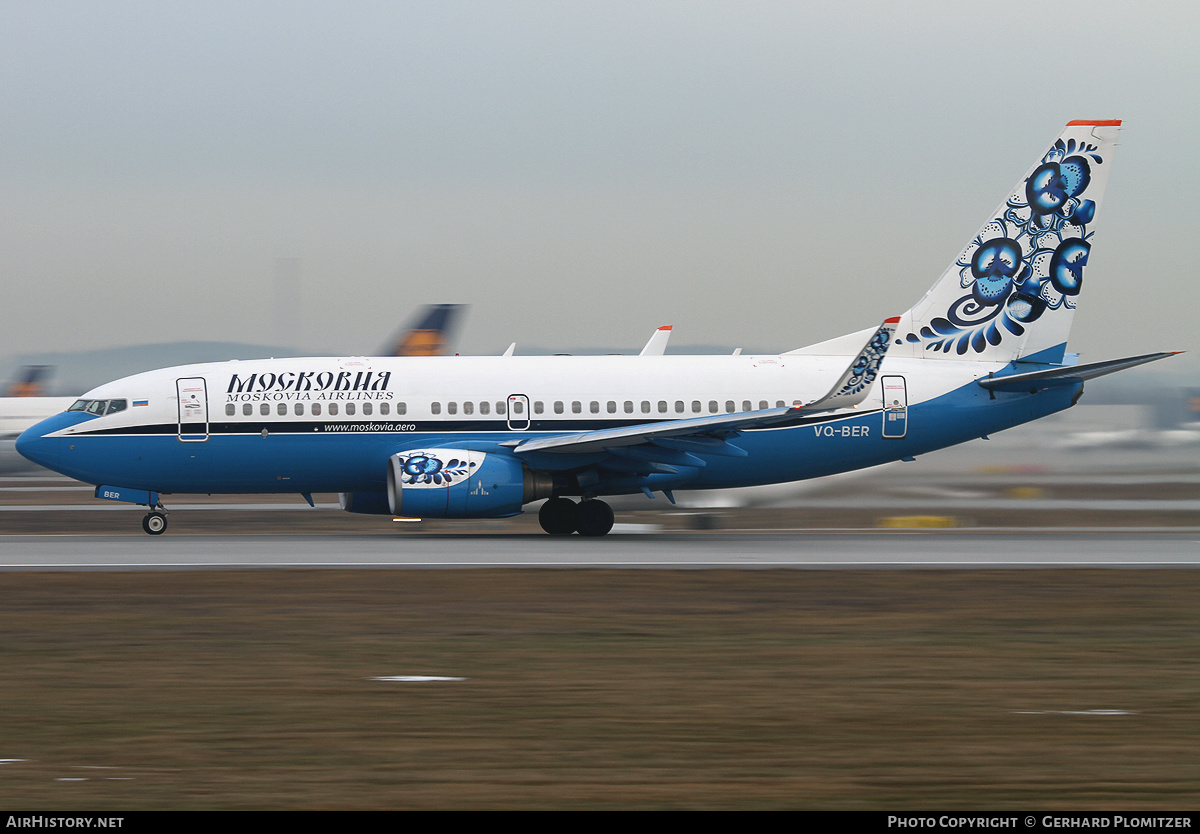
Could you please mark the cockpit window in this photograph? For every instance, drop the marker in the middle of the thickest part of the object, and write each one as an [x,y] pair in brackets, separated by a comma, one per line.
[99,407]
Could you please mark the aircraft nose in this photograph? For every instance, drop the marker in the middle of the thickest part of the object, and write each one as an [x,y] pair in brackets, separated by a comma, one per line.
[35,446]
[42,443]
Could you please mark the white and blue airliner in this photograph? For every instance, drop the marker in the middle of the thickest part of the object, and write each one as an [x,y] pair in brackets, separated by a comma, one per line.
[481,436]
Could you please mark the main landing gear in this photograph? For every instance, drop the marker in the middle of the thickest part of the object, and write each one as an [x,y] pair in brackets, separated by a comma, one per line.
[155,523]
[562,517]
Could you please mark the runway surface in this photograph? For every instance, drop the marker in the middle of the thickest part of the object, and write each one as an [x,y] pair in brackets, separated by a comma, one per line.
[637,549]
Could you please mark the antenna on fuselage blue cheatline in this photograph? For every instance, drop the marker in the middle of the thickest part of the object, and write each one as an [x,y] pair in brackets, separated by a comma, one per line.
[1011,293]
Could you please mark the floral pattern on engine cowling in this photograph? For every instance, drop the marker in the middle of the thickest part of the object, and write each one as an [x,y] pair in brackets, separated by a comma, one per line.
[426,468]
[1025,263]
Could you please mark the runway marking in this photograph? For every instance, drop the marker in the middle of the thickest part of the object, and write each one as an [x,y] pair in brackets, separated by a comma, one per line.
[1077,712]
[415,678]
[581,564]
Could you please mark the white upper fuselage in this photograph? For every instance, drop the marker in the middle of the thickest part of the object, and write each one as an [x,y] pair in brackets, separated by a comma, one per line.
[570,392]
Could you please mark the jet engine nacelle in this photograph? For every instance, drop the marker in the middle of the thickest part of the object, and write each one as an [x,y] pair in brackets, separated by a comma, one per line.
[460,483]
[367,503]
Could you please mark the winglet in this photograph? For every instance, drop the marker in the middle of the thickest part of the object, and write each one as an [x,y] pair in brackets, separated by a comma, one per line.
[855,383]
[657,345]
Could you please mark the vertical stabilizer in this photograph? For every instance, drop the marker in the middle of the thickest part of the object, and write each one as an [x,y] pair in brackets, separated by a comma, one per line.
[30,382]
[430,336]
[1011,293]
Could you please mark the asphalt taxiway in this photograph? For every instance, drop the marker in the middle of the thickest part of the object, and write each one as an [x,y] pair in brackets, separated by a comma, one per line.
[888,549]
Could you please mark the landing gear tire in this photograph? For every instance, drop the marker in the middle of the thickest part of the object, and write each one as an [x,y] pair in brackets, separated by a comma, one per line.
[593,518]
[557,516]
[154,523]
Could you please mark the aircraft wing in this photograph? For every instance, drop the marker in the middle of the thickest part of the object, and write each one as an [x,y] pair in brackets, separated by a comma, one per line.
[1052,377]
[698,434]
[599,441]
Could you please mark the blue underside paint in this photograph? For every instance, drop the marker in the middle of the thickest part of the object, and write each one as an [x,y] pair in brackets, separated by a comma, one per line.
[305,463]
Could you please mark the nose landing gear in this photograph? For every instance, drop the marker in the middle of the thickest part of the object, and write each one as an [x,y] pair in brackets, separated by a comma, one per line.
[155,523]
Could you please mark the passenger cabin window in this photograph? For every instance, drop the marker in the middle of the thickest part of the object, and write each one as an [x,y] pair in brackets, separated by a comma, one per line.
[662,406]
[367,409]
[264,409]
[435,408]
[333,409]
[576,407]
[485,407]
[298,409]
[229,409]
[612,407]
[695,406]
[350,409]
[281,409]
[645,406]
[384,408]
[679,406]
[558,407]
[468,408]
[247,409]
[594,407]
[538,408]
[316,409]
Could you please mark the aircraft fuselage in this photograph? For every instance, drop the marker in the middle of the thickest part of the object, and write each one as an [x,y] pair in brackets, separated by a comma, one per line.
[321,425]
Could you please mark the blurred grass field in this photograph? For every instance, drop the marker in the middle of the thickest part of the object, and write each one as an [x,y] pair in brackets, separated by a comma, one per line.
[863,689]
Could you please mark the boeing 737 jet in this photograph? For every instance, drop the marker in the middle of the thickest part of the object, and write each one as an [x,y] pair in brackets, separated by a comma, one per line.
[480,437]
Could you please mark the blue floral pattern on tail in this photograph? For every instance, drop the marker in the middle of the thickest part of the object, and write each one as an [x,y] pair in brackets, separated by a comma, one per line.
[1025,262]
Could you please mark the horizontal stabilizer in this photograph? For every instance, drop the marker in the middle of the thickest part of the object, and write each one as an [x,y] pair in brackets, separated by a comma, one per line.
[1053,377]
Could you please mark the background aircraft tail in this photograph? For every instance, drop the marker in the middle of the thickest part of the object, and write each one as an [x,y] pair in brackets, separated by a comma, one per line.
[1011,293]
[30,381]
[431,334]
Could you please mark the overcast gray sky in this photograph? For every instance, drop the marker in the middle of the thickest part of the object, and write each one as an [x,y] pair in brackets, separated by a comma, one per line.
[765,174]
